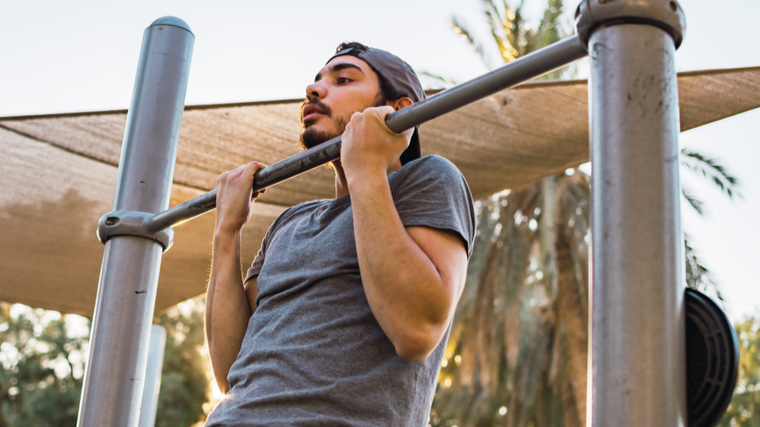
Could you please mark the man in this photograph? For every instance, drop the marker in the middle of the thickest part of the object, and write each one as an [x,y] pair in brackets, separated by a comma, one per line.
[344,315]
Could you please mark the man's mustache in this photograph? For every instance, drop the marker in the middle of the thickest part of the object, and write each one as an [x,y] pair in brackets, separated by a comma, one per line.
[318,104]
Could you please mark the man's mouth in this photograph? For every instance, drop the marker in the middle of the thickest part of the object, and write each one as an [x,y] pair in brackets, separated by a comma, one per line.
[311,112]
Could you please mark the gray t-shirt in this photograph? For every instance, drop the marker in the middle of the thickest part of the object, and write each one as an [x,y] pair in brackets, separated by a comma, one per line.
[313,353]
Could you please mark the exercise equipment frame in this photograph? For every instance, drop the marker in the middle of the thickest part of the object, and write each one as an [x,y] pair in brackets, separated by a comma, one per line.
[637,322]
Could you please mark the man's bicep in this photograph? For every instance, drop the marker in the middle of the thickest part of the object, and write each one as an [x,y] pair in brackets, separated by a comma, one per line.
[447,251]
[251,287]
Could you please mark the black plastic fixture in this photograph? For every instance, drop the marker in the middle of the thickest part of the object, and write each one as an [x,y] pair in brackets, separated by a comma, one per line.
[712,360]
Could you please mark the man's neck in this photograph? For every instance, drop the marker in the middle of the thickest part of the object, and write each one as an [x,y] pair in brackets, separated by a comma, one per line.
[341,185]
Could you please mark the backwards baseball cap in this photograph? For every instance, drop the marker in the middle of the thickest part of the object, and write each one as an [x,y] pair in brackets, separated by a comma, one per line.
[394,73]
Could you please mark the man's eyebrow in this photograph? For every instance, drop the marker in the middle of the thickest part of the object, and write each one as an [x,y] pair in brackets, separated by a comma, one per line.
[338,67]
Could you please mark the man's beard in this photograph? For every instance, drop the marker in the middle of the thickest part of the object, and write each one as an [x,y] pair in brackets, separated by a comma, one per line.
[311,137]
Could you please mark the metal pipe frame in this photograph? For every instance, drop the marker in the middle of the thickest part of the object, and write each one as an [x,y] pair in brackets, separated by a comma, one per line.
[120,332]
[149,403]
[637,347]
[512,74]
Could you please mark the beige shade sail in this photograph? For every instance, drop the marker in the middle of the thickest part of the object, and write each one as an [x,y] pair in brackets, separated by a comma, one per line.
[58,172]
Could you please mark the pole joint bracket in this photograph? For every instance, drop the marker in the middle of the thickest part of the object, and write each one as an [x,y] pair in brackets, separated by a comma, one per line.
[132,223]
[665,14]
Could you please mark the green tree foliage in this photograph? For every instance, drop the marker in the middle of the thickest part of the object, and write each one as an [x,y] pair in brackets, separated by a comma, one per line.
[744,410]
[184,393]
[42,367]
[42,362]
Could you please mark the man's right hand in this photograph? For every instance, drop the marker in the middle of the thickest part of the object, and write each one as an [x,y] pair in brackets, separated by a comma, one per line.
[234,196]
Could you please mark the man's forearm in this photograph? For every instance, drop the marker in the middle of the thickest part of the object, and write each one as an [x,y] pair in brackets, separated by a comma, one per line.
[404,289]
[227,309]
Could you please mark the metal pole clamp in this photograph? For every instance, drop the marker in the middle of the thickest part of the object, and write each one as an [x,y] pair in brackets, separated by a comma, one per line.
[666,14]
[132,223]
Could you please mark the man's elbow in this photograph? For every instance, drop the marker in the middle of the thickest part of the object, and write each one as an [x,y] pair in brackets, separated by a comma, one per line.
[220,375]
[223,385]
[418,347]
[411,354]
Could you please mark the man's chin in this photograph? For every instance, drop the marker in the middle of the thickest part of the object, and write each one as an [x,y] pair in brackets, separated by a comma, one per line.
[312,137]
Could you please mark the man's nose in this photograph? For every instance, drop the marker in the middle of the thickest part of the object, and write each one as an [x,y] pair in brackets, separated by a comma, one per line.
[315,90]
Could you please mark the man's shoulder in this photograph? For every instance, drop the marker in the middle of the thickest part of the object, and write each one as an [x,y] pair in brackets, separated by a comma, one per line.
[301,208]
[429,165]
[294,212]
[432,161]
[429,175]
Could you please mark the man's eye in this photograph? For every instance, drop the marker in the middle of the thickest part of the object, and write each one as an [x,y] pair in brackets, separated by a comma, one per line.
[342,80]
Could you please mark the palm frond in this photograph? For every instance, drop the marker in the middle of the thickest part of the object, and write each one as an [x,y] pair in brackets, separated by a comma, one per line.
[712,170]
[444,82]
[695,203]
[550,29]
[495,18]
[467,36]
[500,24]
[519,33]
[697,275]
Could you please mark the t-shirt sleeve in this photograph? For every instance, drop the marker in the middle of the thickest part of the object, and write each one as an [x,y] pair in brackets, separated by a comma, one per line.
[431,192]
[258,260]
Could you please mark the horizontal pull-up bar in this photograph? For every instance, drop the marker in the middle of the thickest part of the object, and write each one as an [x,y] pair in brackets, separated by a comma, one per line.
[511,74]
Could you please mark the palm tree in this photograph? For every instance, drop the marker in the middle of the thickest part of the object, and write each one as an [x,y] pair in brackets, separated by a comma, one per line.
[517,353]
[697,275]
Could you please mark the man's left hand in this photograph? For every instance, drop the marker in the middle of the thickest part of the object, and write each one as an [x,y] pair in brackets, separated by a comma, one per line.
[368,146]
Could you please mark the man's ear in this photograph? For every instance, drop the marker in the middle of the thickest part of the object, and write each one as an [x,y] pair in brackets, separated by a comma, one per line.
[401,103]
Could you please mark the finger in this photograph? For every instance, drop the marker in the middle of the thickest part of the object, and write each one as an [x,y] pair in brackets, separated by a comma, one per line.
[252,168]
[257,194]
[379,114]
[348,131]
[383,111]
[255,165]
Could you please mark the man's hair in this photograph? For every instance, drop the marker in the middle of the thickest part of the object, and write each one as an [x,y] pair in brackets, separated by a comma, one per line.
[389,92]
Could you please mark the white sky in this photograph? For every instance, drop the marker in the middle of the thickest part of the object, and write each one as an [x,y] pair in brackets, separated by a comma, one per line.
[82,55]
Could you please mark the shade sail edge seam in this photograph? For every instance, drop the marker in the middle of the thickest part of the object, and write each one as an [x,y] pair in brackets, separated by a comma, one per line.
[734,114]
[52,144]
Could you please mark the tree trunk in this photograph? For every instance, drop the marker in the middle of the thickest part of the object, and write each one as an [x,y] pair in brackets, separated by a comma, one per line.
[571,316]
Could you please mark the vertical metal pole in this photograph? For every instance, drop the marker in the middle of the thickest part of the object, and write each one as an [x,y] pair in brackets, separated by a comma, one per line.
[153,376]
[120,333]
[637,361]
